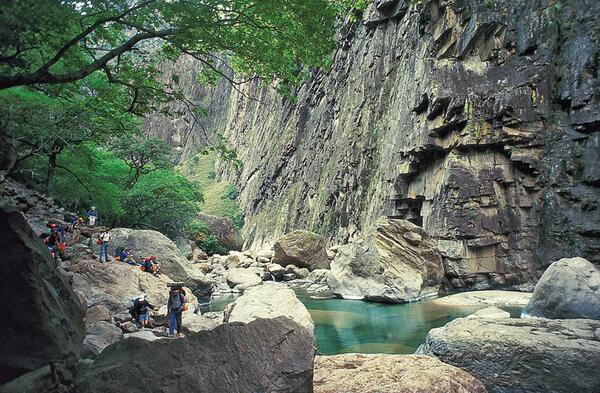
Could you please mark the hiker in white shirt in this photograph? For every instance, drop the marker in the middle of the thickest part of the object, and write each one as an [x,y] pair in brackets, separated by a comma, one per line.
[104,241]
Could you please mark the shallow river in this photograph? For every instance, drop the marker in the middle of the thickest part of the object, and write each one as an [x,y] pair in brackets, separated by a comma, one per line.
[358,326]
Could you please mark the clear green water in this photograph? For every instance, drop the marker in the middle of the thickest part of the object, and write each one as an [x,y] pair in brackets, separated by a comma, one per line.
[357,326]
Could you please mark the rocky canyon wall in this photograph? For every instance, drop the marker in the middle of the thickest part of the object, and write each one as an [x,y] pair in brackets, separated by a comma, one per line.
[477,120]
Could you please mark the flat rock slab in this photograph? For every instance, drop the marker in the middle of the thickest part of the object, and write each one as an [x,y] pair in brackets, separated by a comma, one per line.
[522,355]
[266,355]
[362,373]
[486,298]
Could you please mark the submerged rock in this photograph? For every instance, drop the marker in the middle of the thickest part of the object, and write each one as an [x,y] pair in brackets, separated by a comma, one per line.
[569,288]
[386,267]
[43,316]
[304,249]
[490,312]
[522,355]
[362,373]
[270,301]
[266,355]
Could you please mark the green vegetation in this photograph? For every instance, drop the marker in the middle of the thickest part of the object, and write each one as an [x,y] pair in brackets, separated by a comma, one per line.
[219,196]
[77,77]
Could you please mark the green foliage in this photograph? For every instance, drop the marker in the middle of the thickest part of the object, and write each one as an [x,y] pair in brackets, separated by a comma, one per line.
[143,155]
[230,193]
[211,246]
[219,196]
[195,229]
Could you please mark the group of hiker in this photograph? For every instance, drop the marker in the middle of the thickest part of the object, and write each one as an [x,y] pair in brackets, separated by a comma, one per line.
[177,304]
[147,264]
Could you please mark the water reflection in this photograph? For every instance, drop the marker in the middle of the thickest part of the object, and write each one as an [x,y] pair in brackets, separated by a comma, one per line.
[356,326]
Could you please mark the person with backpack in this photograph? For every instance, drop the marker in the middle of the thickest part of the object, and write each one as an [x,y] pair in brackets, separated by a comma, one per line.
[176,305]
[142,308]
[92,215]
[52,240]
[104,241]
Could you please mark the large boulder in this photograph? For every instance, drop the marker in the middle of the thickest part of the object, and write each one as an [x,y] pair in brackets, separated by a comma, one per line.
[241,279]
[361,373]
[266,355]
[119,283]
[201,286]
[522,355]
[43,316]
[395,262]
[144,243]
[569,288]
[270,301]
[99,336]
[224,230]
[303,249]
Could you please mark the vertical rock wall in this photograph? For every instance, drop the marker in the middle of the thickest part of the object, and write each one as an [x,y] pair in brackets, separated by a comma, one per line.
[477,120]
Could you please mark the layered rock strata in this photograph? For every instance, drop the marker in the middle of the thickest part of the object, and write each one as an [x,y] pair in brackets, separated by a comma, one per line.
[477,120]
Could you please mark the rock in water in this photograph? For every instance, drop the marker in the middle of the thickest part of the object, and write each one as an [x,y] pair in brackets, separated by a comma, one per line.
[362,373]
[144,243]
[569,288]
[43,316]
[522,355]
[266,355]
[303,249]
[270,301]
[396,262]
[490,312]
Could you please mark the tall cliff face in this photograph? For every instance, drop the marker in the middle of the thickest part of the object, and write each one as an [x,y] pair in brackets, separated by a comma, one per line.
[477,120]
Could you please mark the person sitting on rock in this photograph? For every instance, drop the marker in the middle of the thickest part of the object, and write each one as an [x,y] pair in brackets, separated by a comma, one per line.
[175,307]
[155,266]
[149,265]
[127,257]
[142,309]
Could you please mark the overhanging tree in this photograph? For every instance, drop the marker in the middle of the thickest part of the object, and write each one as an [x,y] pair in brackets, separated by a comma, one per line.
[56,42]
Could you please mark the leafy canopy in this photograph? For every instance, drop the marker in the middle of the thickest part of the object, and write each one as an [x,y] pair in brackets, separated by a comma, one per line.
[55,42]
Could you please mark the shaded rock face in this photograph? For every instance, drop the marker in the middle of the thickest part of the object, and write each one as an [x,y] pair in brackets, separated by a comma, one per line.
[397,262]
[302,248]
[145,243]
[223,228]
[477,120]
[361,373]
[522,355]
[569,288]
[270,301]
[278,359]
[99,336]
[44,316]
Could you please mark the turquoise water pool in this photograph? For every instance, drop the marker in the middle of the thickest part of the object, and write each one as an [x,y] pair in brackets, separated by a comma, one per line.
[356,326]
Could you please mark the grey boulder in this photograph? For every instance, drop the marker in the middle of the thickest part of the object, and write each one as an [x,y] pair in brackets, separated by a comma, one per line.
[396,262]
[522,355]
[302,248]
[266,355]
[569,288]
